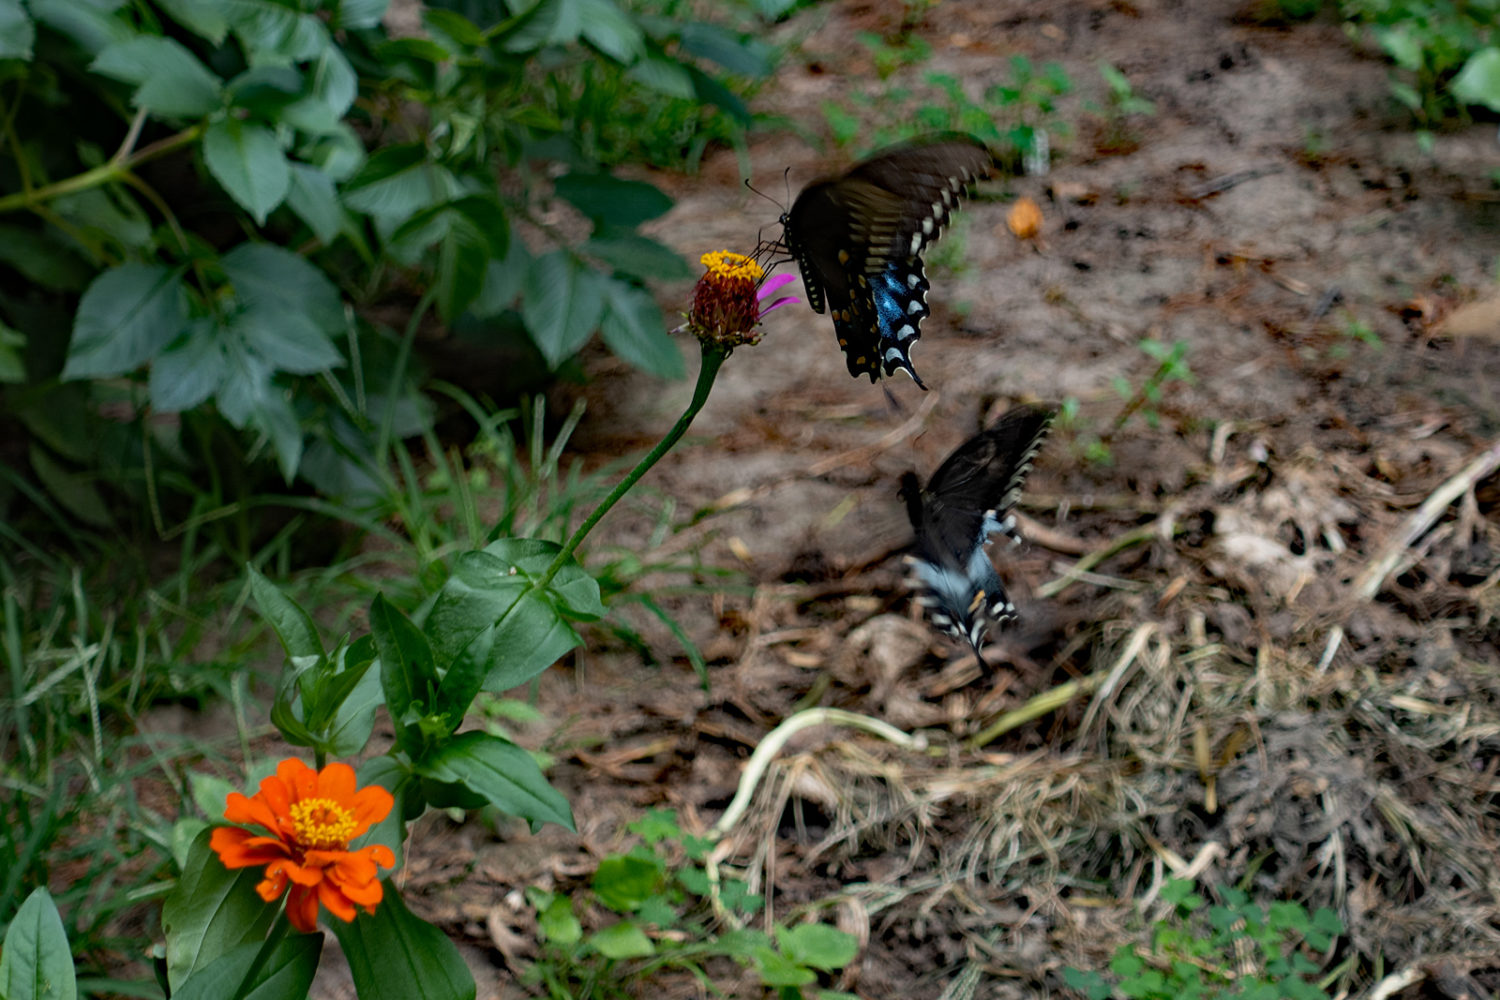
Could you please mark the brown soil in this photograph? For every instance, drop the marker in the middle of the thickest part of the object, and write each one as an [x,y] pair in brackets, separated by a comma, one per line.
[1261,720]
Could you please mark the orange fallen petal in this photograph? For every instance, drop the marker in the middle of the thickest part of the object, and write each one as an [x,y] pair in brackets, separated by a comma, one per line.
[1024,219]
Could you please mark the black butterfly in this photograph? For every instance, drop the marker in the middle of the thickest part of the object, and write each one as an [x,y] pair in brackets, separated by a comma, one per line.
[970,497]
[858,240]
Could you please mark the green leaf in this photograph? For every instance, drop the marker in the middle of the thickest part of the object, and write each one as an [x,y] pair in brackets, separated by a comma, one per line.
[288,340]
[503,280]
[37,963]
[611,201]
[557,921]
[1479,81]
[623,882]
[743,56]
[391,952]
[265,275]
[273,31]
[17,33]
[817,945]
[640,257]
[397,181]
[91,24]
[663,76]
[247,161]
[127,315]
[470,232]
[334,87]
[190,370]
[561,305]
[622,940]
[610,30]
[633,329]
[211,912]
[778,970]
[574,590]
[313,197]
[204,18]
[454,26]
[298,634]
[407,673]
[359,13]
[274,416]
[355,718]
[265,91]
[78,492]
[170,80]
[288,972]
[500,772]
[1401,45]
[12,347]
[41,260]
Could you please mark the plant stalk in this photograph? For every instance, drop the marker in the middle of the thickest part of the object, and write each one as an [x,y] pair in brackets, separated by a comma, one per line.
[713,358]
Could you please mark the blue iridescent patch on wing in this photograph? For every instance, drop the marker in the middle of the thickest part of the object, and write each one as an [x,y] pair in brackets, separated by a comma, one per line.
[900,297]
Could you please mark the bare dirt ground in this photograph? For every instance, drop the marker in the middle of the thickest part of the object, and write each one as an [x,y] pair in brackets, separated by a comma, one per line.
[1266,699]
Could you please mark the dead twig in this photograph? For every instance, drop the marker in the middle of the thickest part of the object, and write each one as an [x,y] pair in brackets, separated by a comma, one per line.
[1370,580]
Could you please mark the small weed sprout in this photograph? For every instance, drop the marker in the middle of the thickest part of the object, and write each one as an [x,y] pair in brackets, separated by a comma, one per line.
[1120,104]
[1237,948]
[1171,367]
[671,915]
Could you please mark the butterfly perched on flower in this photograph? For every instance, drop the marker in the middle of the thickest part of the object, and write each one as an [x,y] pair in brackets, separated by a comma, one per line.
[972,496]
[858,240]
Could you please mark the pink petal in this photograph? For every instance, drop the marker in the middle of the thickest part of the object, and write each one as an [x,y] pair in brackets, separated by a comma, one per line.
[784,300]
[773,283]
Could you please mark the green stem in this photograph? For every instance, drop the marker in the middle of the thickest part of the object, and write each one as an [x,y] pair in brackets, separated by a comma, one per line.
[713,358]
[102,174]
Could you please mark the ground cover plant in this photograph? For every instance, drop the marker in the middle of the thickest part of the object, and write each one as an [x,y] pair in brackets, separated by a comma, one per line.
[1256,653]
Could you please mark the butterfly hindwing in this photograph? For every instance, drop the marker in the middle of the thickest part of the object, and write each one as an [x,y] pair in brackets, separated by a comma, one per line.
[971,497]
[858,241]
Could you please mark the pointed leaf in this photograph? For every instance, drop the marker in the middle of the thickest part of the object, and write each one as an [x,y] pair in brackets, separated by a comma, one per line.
[391,950]
[171,81]
[406,668]
[502,773]
[562,305]
[288,972]
[190,370]
[211,912]
[313,197]
[36,963]
[622,940]
[127,315]
[299,637]
[633,329]
[17,33]
[247,161]
[267,275]
[612,201]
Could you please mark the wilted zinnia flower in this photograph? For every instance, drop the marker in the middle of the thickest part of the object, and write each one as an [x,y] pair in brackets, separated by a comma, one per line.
[727,300]
[311,816]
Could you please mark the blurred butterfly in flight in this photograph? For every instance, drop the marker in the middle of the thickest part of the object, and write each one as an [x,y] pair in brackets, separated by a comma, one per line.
[972,496]
[858,240]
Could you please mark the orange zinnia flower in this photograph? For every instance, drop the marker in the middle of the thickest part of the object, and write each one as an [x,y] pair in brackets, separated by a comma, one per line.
[311,816]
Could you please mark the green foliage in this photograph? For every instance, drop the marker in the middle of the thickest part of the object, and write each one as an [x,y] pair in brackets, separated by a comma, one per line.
[214,198]
[1234,950]
[1447,53]
[1121,103]
[659,908]
[1019,116]
[1171,367]
[35,962]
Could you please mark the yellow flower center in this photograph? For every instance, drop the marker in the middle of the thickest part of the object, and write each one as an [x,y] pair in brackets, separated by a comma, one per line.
[727,264]
[322,824]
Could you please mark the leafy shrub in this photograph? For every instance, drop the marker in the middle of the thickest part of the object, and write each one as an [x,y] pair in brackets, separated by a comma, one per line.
[220,200]
[1446,50]
[661,894]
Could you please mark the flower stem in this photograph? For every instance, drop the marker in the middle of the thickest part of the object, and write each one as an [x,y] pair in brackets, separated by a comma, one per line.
[713,358]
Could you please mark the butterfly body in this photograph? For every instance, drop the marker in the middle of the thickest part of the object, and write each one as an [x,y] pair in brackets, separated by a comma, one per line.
[971,498]
[858,241]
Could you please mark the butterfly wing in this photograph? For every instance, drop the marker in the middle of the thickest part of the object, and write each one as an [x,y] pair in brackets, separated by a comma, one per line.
[971,497]
[858,241]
